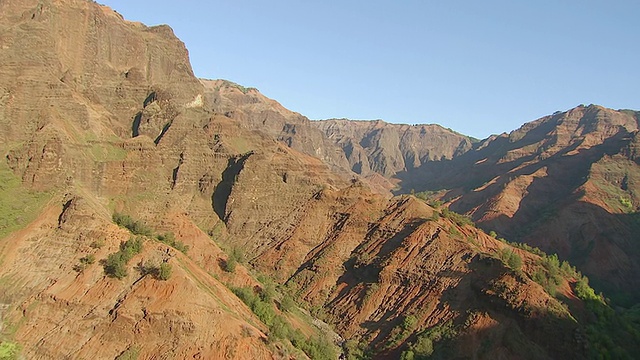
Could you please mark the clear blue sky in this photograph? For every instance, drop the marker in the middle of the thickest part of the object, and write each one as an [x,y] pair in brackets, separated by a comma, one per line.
[478,67]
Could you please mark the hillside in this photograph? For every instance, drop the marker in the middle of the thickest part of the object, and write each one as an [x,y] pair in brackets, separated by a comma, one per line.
[565,183]
[149,214]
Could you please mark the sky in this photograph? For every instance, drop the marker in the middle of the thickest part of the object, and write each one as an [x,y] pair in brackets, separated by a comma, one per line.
[477,67]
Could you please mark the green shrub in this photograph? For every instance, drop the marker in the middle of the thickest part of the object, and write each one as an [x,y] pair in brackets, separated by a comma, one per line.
[233,259]
[407,355]
[356,350]
[136,227]
[401,331]
[287,303]
[164,272]
[230,265]
[626,203]
[268,291]
[170,239]
[510,258]
[116,266]
[315,347]
[459,219]
[131,247]
[9,350]
[85,261]
[160,272]
[116,263]
[423,347]
[88,260]
[409,322]
[584,291]
[280,328]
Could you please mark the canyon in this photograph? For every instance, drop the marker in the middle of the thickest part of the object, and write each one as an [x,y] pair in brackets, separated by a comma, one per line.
[285,237]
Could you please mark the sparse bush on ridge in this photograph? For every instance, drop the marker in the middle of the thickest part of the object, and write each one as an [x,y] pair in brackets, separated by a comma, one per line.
[170,239]
[136,227]
[510,258]
[116,263]
[459,219]
[160,272]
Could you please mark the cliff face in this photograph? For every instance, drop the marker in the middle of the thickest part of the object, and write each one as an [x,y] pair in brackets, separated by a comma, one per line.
[255,111]
[99,115]
[87,104]
[389,149]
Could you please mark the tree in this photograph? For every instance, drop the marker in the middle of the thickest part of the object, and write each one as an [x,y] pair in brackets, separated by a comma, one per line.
[164,272]
[115,266]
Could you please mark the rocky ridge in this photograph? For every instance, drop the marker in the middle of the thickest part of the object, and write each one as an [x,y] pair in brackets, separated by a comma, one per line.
[389,149]
[564,183]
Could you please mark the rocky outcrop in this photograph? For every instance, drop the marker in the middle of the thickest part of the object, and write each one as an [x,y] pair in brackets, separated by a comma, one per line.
[255,111]
[388,149]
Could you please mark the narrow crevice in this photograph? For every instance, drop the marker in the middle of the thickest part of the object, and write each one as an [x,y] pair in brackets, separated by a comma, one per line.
[222,191]
[150,98]
[65,207]
[135,127]
[174,176]
[164,131]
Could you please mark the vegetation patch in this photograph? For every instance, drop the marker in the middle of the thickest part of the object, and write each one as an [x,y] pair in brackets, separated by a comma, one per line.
[137,227]
[402,331]
[316,347]
[162,271]
[131,353]
[459,219]
[424,345]
[236,256]
[170,239]
[103,152]
[552,271]
[116,264]
[18,205]
[231,84]
[511,259]
[84,262]
[9,350]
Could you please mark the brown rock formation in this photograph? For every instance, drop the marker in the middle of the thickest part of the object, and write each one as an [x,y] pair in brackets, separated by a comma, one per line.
[388,149]
[256,111]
